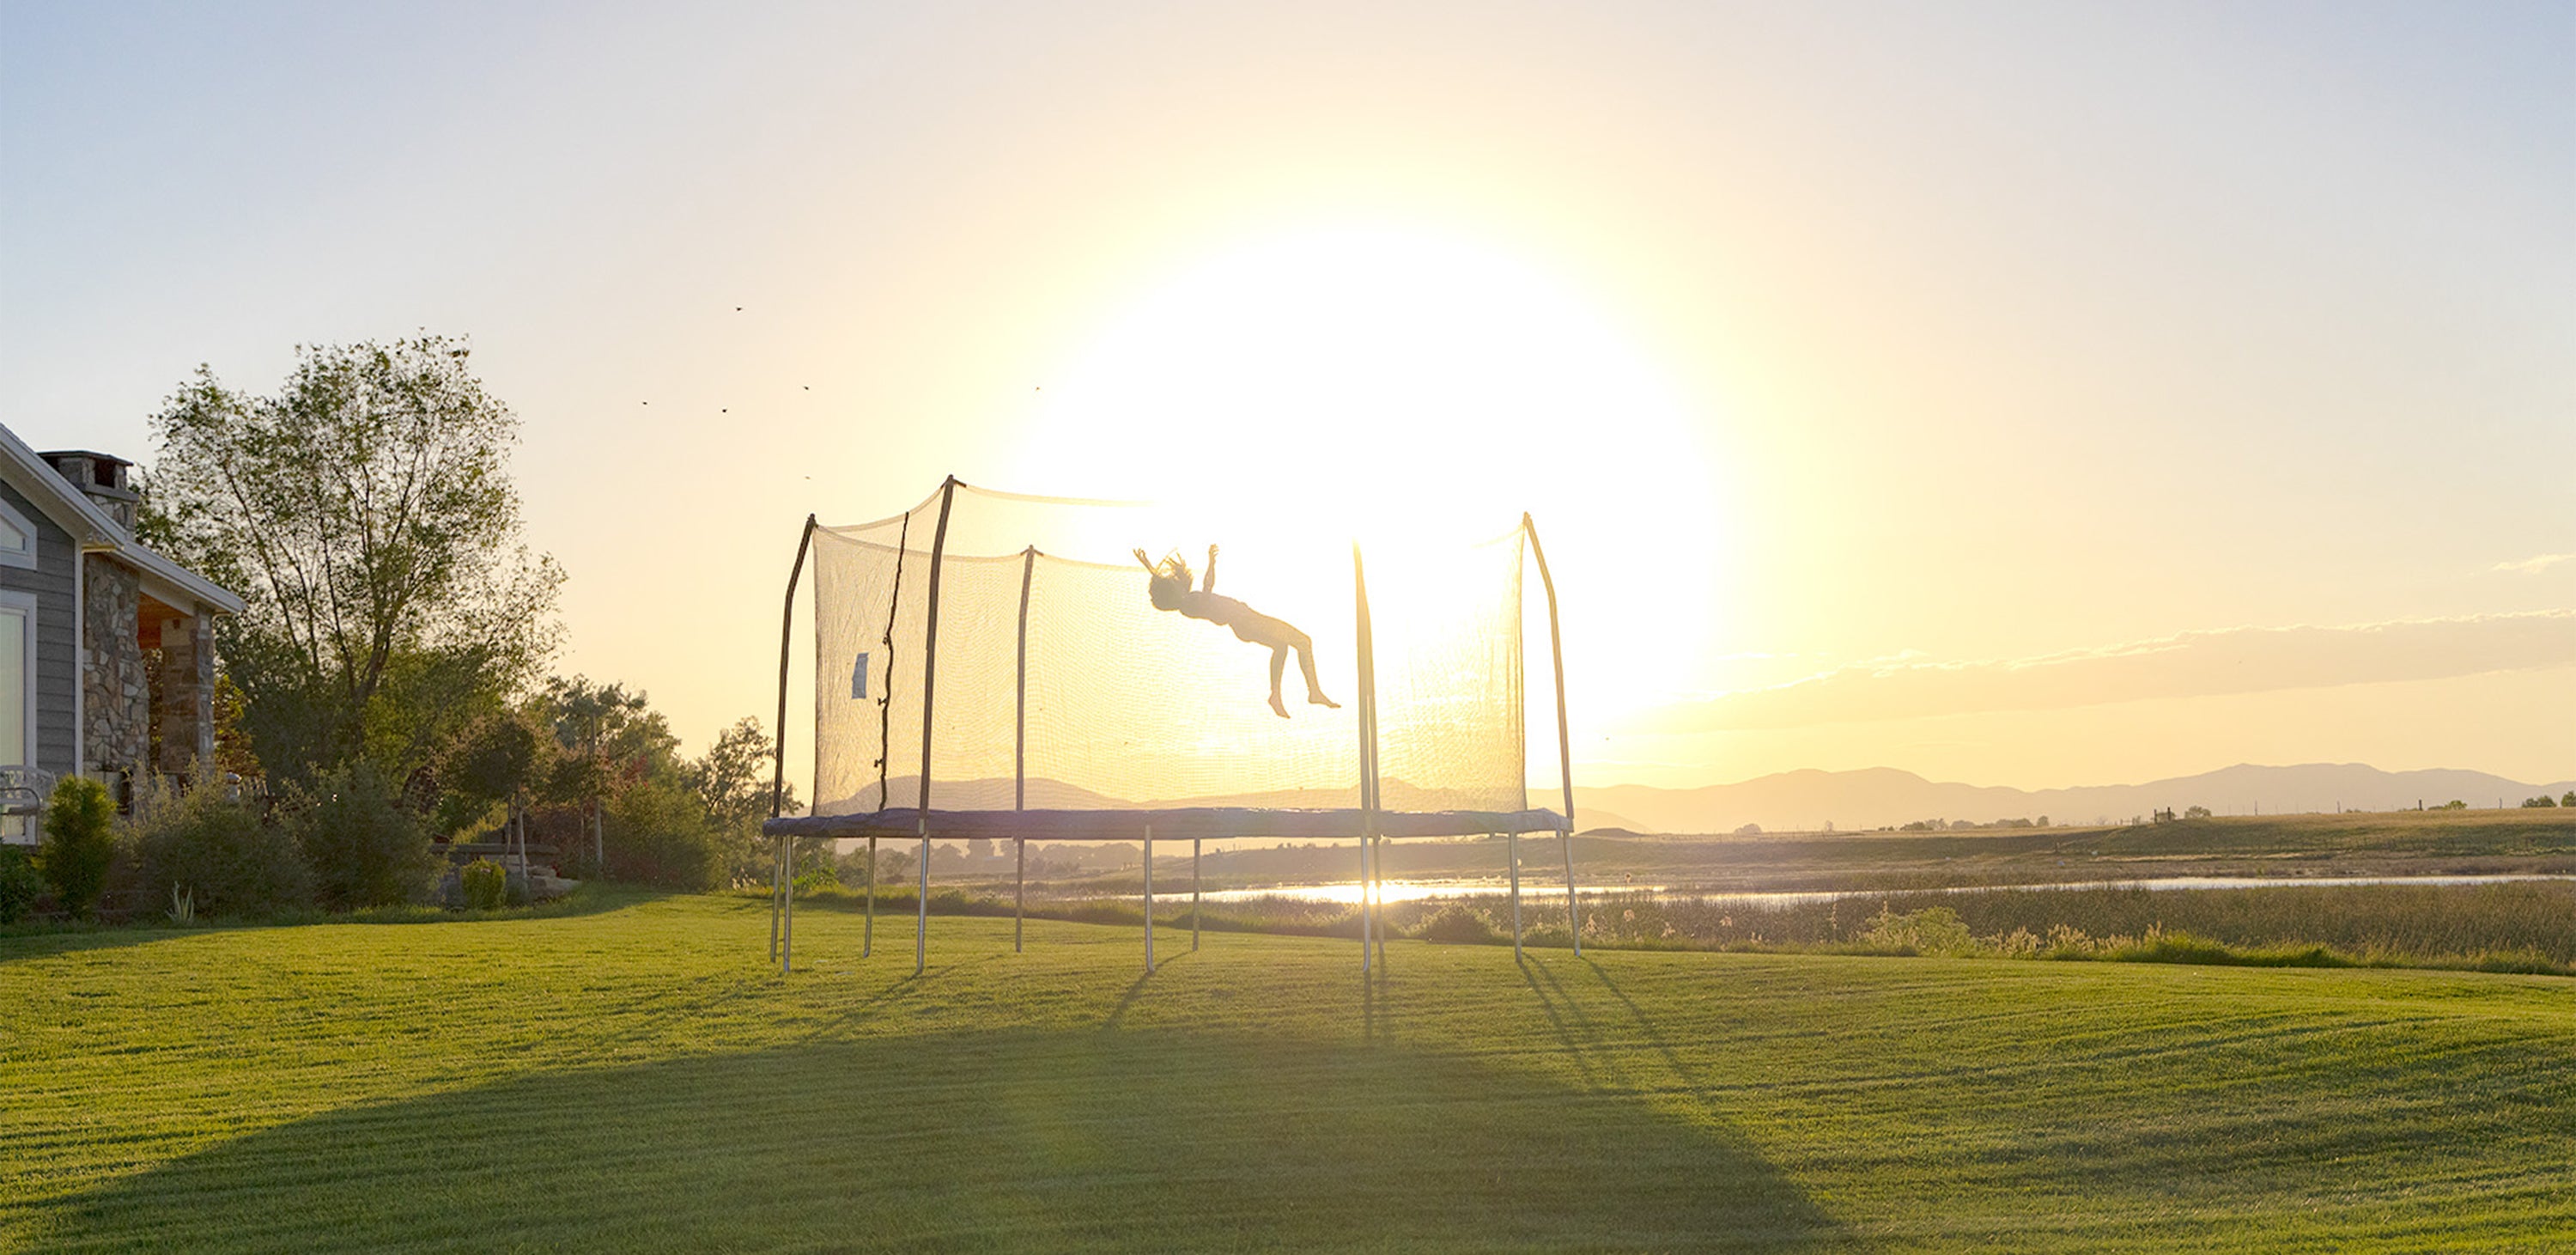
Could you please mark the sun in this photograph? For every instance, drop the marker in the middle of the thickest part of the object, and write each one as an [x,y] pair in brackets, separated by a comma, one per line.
[1403,386]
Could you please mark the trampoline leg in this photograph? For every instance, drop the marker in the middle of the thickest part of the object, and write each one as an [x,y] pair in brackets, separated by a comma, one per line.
[1573,917]
[774,879]
[1378,871]
[1149,897]
[787,935]
[921,908]
[1020,897]
[868,931]
[1364,905]
[1194,895]
[1512,851]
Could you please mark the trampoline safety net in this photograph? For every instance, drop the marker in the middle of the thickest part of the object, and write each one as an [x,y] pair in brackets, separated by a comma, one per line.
[1058,684]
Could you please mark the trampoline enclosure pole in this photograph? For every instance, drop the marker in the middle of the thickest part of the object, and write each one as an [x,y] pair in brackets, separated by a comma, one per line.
[1564,743]
[778,770]
[1020,750]
[929,708]
[1370,924]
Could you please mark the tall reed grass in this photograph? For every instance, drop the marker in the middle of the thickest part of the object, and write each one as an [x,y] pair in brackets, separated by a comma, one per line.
[2512,927]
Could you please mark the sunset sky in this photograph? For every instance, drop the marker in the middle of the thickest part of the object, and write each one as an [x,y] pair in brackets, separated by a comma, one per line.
[2028,394]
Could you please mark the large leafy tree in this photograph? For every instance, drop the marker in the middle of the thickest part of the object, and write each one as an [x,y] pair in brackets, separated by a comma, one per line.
[733,779]
[367,515]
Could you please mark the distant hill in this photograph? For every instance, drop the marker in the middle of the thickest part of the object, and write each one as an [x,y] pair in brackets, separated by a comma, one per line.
[1799,801]
[1883,796]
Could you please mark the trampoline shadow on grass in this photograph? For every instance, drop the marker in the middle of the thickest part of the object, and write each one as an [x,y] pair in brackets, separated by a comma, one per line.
[1138,1140]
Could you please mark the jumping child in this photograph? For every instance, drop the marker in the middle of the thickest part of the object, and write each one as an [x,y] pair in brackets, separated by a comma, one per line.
[1168,586]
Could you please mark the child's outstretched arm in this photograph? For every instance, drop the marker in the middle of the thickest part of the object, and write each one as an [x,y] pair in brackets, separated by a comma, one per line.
[1209,584]
[1145,562]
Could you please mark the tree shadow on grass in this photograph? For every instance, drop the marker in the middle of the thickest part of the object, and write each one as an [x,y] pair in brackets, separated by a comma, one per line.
[1139,1140]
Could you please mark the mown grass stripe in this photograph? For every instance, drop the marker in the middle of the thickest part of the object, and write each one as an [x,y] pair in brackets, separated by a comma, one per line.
[634,1077]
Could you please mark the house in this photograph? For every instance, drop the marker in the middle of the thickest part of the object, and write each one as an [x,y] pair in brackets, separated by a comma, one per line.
[106,647]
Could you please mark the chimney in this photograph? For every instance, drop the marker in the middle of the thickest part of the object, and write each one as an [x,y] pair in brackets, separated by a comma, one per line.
[102,478]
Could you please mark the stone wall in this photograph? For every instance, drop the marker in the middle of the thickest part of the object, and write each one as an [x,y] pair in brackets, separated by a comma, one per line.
[116,690]
[183,695]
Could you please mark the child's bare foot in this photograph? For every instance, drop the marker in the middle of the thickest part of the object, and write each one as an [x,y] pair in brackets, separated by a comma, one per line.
[1278,706]
[1319,699]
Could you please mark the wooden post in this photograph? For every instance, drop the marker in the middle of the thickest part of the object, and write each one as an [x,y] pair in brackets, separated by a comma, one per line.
[1194,895]
[1564,742]
[1512,852]
[782,898]
[1149,897]
[929,706]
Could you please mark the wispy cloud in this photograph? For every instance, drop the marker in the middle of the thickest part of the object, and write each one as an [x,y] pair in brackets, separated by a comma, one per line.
[2536,563]
[2193,664]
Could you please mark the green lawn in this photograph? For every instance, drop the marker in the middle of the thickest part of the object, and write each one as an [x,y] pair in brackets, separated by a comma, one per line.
[638,1077]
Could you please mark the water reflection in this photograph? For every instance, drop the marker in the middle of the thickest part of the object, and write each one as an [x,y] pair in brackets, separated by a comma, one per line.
[1346,893]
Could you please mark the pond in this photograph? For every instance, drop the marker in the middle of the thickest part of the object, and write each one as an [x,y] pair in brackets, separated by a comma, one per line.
[1421,890]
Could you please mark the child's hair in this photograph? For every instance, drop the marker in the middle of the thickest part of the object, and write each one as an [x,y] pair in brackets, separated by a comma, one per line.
[1171,578]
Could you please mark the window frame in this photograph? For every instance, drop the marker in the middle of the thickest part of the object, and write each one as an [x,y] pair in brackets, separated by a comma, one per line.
[24,559]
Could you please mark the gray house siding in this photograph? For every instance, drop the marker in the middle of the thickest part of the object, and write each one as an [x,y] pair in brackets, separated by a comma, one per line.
[57,659]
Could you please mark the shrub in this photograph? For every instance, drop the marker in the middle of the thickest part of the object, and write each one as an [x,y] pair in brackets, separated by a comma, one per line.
[21,885]
[219,850]
[1932,930]
[1460,923]
[816,869]
[658,833]
[484,884]
[80,842]
[365,849]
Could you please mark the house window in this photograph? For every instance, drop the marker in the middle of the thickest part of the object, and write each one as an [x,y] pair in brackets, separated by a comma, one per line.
[17,538]
[17,695]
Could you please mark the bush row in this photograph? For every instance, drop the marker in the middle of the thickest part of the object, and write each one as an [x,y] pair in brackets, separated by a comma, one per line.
[346,843]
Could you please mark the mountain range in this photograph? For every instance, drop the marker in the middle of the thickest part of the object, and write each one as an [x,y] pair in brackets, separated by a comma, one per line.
[1883,796]
[1806,801]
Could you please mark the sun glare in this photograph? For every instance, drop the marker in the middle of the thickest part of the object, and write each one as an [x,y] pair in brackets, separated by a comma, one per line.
[1400,387]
